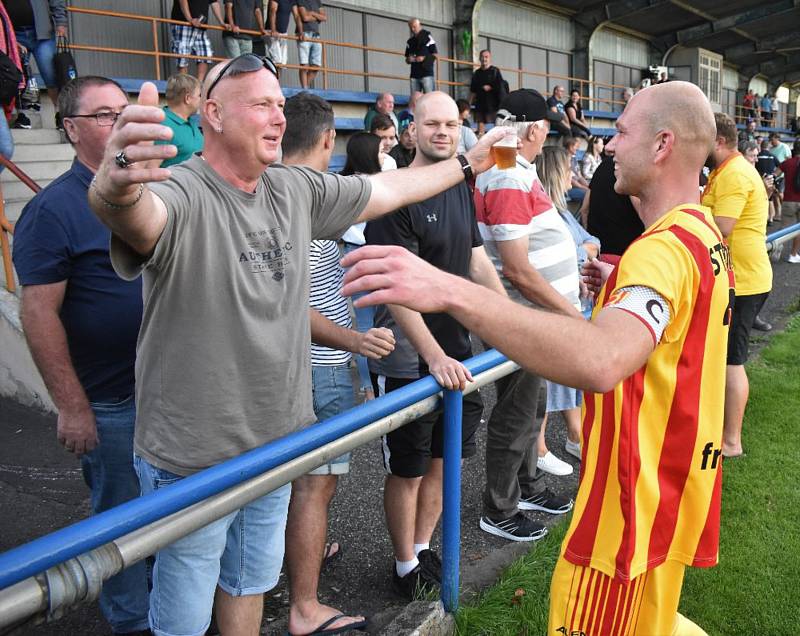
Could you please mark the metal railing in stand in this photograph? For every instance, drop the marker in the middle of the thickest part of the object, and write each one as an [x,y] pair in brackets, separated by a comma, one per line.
[782,236]
[6,226]
[51,574]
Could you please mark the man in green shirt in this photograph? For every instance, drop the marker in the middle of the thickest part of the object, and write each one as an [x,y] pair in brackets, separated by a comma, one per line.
[183,100]
[778,149]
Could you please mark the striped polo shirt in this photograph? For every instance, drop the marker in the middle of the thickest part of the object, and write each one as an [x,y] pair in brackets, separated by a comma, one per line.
[651,469]
[326,298]
[510,204]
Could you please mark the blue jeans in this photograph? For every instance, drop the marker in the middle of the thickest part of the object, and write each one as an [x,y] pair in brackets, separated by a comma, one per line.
[576,194]
[333,394]
[6,140]
[365,319]
[108,471]
[241,553]
[43,52]
[424,84]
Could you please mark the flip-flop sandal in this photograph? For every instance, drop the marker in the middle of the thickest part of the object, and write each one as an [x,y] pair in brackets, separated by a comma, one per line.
[331,557]
[322,630]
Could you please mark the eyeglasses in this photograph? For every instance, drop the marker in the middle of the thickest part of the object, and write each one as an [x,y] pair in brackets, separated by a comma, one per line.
[104,118]
[247,63]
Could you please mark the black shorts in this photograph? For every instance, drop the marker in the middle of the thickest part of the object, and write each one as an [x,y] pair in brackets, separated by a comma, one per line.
[484,117]
[407,451]
[745,310]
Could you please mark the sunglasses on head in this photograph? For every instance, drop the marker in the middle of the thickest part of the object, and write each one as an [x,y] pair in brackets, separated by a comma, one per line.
[247,63]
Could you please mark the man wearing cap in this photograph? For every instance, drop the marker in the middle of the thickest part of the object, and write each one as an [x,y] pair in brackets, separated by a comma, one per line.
[534,254]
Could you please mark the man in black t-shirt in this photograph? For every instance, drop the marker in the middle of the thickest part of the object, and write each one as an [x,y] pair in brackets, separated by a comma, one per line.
[443,231]
[611,217]
[421,53]
[486,91]
[556,103]
[191,39]
[278,25]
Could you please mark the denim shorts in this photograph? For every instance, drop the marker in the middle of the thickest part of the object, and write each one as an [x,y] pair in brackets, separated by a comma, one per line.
[242,553]
[309,51]
[424,84]
[43,52]
[332,388]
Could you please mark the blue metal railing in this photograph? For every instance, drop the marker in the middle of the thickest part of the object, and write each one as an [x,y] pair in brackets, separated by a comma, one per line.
[37,556]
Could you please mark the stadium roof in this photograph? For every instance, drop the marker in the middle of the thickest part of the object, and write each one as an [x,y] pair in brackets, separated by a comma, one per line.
[757,36]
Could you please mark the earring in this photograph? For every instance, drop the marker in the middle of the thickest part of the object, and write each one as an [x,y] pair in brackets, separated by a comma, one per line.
[219,130]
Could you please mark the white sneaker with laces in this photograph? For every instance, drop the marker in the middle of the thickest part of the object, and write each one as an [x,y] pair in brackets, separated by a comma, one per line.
[573,448]
[553,465]
[794,258]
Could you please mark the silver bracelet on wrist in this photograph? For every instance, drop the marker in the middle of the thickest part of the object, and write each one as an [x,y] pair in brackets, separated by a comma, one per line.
[117,206]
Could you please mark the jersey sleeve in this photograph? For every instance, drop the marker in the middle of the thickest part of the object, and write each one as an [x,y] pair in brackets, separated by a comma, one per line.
[663,264]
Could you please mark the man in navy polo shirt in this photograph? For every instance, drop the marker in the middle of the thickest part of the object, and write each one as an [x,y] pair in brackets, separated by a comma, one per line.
[81,322]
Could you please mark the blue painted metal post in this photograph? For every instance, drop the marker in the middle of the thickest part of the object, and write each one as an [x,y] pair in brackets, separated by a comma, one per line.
[451,505]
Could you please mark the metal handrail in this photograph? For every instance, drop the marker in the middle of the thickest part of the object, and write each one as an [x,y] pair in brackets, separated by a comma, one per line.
[6,226]
[157,54]
[68,566]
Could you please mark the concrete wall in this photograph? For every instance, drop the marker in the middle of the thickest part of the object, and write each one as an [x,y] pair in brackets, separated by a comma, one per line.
[19,378]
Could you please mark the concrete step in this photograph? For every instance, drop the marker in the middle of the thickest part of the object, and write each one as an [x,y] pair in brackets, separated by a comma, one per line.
[14,209]
[42,152]
[37,170]
[37,136]
[18,191]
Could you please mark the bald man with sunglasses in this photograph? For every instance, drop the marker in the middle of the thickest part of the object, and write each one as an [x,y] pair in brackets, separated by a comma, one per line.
[223,354]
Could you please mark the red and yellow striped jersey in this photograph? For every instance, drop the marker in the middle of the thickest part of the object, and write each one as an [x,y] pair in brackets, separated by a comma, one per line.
[651,470]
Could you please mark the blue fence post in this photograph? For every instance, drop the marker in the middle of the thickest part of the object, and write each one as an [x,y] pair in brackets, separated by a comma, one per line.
[451,499]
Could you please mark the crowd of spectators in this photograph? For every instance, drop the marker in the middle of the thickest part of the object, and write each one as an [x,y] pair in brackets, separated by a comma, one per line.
[140,421]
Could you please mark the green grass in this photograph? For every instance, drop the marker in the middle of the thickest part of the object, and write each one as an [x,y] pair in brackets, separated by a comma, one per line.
[755,590]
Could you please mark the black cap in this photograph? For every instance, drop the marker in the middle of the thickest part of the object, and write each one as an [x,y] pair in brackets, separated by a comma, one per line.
[527,104]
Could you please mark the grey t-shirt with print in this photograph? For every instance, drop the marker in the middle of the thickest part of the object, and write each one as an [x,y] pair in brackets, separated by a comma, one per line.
[223,357]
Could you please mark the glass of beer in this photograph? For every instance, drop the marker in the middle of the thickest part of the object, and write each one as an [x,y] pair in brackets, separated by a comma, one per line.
[504,151]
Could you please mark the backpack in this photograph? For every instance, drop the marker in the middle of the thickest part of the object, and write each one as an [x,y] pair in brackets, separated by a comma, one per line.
[10,78]
[503,88]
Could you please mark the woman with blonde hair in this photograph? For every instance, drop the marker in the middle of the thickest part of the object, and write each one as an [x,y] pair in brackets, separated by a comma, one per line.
[553,167]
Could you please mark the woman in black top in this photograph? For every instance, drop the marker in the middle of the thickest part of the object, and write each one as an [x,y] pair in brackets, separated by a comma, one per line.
[579,126]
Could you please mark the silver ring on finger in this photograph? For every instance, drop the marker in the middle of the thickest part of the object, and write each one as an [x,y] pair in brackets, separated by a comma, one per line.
[121,159]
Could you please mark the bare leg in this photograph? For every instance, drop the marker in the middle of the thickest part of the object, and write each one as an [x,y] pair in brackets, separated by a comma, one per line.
[312,73]
[541,444]
[737,389]
[306,527]
[202,69]
[573,419]
[796,246]
[429,502]
[238,615]
[400,505]
[304,77]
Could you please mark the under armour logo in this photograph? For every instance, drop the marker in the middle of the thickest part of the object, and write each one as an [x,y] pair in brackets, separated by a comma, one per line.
[432,218]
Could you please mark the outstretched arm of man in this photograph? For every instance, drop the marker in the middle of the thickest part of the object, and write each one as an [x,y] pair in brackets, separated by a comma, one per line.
[114,195]
[397,188]
[593,356]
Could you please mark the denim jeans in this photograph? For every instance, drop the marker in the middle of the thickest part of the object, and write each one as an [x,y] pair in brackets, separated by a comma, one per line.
[424,84]
[43,52]
[108,471]
[6,140]
[241,553]
[234,47]
[365,318]
[332,388]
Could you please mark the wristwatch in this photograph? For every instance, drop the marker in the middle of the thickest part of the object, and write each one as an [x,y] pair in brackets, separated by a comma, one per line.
[465,168]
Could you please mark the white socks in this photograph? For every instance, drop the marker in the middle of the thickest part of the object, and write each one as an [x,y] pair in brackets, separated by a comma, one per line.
[404,567]
[419,547]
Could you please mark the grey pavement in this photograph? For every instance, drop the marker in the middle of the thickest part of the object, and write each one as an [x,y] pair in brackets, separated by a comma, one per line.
[41,490]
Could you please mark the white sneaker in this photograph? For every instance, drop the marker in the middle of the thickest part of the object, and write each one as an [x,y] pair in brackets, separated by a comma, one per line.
[553,465]
[794,258]
[573,448]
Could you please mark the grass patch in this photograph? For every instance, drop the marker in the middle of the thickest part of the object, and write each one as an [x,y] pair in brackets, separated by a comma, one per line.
[754,589]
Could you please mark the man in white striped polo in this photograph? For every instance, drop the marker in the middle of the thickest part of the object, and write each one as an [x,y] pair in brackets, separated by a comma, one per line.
[531,247]
[308,141]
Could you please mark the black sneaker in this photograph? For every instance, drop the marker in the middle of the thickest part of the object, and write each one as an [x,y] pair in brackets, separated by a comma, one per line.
[546,501]
[22,121]
[431,562]
[59,122]
[517,528]
[415,585]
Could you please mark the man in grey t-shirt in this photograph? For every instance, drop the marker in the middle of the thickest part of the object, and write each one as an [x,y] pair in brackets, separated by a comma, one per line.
[223,352]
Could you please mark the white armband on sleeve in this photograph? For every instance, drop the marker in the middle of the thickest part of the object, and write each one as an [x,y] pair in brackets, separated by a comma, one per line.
[647,305]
